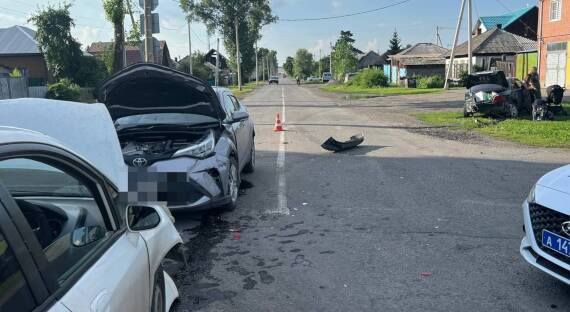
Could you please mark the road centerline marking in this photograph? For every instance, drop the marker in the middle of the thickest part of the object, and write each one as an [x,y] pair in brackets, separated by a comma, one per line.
[280,166]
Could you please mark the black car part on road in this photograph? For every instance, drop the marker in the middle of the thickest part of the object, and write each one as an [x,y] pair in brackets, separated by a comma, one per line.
[335,146]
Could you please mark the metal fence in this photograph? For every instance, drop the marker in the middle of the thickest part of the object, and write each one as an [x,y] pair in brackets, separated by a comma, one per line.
[13,88]
[37,92]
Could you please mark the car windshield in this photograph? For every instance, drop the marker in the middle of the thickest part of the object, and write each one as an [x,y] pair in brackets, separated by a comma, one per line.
[163,119]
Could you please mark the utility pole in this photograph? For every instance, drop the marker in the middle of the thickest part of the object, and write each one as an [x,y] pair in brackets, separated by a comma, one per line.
[320,64]
[469,35]
[190,46]
[218,64]
[452,58]
[438,37]
[268,67]
[238,58]
[149,43]
[262,68]
[330,60]
[256,67]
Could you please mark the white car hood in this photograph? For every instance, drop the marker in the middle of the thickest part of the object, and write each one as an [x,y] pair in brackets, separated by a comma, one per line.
[558,179]
[85,129]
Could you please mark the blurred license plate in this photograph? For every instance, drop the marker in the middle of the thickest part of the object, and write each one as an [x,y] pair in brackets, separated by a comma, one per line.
[556,242]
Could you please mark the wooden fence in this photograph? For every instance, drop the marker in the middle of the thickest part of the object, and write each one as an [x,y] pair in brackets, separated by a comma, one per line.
[17,87]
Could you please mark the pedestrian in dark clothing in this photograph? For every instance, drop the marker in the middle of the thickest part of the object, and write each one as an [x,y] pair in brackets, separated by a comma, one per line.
[532,82]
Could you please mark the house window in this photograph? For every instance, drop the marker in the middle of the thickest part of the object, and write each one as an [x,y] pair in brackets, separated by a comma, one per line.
[555,10]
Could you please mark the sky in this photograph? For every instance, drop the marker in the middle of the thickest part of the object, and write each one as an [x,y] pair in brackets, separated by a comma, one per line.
[416,21]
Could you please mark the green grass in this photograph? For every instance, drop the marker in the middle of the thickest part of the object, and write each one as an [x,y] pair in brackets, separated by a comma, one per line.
[525,131]
[246,89]
[376,91]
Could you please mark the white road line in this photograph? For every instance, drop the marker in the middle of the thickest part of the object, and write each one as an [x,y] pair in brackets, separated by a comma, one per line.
[280,164]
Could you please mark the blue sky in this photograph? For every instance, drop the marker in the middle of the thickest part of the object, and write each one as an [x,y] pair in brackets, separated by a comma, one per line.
[415,21]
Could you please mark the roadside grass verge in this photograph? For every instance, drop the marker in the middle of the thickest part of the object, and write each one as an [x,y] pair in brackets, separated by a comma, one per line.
[246,89]
[524,131]
[380,91]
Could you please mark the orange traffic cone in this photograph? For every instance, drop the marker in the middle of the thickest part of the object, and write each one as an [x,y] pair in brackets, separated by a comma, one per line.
[278,126]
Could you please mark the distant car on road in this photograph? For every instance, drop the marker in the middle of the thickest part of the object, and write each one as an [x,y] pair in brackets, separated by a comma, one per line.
[327,77]
[70,238]
[274,79]
[491,92]
[196,138]
[313,79]
[546,242]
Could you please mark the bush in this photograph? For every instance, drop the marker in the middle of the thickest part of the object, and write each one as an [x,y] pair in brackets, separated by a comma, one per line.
[64,90]
[370,78]
[429,82]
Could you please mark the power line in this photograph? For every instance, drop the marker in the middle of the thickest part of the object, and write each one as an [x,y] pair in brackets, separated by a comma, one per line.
[344,15]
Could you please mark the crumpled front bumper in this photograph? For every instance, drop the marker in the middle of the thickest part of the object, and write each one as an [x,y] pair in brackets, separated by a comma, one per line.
[183,183]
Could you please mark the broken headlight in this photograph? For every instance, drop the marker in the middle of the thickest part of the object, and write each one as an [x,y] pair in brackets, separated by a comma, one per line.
[202,149]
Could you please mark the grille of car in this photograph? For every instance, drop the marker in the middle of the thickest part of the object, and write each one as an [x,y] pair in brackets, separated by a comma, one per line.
[543,218]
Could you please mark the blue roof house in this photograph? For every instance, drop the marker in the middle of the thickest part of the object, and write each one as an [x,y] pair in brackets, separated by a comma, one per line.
[522,22]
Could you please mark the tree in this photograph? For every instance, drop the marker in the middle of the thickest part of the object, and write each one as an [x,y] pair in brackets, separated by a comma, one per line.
[346,35]
[222,15]
[395,44]
[344,59]
[303,63]
[61,51]
[288,66]
[115,13]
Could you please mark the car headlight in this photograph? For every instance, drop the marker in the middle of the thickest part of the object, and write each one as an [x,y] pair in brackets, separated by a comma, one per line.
[531,195]
[202,149]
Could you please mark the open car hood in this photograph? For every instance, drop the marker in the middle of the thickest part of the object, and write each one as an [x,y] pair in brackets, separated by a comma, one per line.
[85,129]
[149,89]
[496,78]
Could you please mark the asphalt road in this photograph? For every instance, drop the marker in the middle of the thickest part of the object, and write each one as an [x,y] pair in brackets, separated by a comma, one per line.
[406,222]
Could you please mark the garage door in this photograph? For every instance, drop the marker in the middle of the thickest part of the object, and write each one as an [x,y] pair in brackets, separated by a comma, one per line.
[556,64]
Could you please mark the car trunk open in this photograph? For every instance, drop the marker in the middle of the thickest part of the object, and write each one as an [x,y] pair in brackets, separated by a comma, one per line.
[148,89]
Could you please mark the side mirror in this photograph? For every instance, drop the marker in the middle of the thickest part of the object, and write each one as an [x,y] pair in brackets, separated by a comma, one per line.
[86,235]
[239,116]
[141,218]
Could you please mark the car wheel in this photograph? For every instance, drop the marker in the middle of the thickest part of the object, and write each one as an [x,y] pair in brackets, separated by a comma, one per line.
[512,110]
[250,167]
[233,184]
[158,292]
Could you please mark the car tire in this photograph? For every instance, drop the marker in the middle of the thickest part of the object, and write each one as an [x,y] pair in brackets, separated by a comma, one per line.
[158,292]
[512,110]
[250,166]
[233,185]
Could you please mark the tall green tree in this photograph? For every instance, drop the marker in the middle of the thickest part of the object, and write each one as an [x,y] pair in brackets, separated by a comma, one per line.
[115,13]
[222,15]
[344,59]
[60,50]
[303,63]
[288,66]
[198,68]
[395,46]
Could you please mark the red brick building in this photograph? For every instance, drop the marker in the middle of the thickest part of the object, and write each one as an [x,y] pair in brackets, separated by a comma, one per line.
[554,42]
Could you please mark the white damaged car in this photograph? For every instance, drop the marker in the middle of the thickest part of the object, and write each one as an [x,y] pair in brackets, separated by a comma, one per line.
[546,244]
[69,241]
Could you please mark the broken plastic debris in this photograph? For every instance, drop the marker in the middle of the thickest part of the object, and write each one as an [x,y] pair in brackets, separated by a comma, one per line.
[426,274]
[335,146]
[304,204]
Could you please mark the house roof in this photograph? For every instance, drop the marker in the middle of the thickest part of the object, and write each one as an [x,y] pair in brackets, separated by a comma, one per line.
[505,19]
[134,53]
[427,50]
[372,58]
[497,41]
[18,40]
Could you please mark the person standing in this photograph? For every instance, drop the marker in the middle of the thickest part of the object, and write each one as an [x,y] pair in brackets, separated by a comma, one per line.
[532,82]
